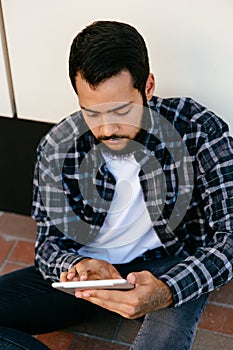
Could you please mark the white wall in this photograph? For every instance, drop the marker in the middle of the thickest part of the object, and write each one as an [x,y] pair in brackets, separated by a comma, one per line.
[189,42]
[5,98]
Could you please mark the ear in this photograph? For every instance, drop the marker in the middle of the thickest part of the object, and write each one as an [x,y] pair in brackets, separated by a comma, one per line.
[150,86]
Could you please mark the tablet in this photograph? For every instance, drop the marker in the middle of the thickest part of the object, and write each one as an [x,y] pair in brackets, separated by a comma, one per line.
[70,287]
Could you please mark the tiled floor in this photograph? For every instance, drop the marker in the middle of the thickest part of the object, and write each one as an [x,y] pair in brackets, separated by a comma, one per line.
[215,332]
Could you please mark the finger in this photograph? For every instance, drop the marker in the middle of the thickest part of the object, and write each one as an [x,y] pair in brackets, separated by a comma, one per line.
[116,275]
[118,297]
[139,278]
[82,294]
[131,278]
[63,277]
[83,275]
[72,273]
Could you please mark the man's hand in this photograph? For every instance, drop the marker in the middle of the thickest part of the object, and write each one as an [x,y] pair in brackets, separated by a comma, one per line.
[90,269]
[148,295]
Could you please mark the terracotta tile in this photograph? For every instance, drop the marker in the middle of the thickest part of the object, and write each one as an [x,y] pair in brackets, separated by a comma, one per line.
[217,319]
[86,343]
[16,225]
[128,330]
[23,252]
[5,249]
[11,267]
[209,341]
[102,325]
[223,295]
[57,340]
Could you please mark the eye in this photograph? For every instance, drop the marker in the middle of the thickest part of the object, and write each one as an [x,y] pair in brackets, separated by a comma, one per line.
[121,113]
[92,115]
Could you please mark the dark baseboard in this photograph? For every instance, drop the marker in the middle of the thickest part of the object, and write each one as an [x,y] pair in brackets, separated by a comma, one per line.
[18,142]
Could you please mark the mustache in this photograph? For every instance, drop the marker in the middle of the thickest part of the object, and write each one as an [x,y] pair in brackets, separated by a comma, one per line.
[112,137]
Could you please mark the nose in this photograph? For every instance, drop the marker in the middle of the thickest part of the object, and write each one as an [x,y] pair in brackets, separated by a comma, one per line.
[108,126]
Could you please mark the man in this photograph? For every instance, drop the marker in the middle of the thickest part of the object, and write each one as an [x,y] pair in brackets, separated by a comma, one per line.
[132,186]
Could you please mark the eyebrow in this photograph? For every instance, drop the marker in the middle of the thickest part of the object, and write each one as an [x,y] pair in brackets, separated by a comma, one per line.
[110,110]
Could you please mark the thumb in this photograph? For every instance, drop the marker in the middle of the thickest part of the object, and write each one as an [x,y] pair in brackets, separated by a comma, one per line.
[137,277]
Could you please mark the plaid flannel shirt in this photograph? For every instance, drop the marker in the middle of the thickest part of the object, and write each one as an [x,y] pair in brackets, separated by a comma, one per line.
[69,203]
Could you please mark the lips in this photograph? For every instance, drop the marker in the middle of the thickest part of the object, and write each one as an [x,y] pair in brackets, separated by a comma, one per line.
[112,137]
[115,140]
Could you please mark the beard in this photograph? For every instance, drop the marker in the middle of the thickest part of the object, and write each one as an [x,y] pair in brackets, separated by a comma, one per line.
[132,146]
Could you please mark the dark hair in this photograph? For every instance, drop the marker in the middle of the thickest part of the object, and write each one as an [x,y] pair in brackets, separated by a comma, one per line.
[104,49]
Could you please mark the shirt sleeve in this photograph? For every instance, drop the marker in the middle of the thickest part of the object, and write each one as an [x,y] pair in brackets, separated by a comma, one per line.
[54,251]
[211,266]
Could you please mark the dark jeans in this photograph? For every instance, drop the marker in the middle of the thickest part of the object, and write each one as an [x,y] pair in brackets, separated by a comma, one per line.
[13,339]
[29,305]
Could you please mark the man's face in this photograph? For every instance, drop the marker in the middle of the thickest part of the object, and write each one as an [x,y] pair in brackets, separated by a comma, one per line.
[113,110]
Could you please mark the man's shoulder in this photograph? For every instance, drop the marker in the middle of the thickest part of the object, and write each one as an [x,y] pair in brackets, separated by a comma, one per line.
[189,112]
[184,108]
[64,133]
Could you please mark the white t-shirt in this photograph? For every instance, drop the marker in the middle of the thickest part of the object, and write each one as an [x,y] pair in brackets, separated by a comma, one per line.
[127,231]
